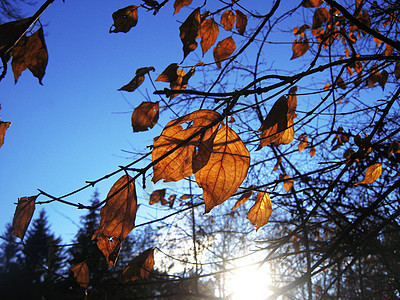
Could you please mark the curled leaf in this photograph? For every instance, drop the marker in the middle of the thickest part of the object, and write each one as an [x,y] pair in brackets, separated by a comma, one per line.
[3,127]
[178,4]
[372,174]
[223,50]
[137,80]
[228,20]
[145,116]
[169,74]
[139,267]
[189,31]
[23,215]
[124,19]
[208,32]
[157,196]
[241,22]
[245,196]
[81,273]
[259,214]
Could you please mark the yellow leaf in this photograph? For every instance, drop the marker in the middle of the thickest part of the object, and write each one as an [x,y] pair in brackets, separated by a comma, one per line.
[145,116]
[23,215]
[225,170]
[179,164]
[259,214]
[287,184]
[372,174]
[139,267]
[303,143]
[81,273]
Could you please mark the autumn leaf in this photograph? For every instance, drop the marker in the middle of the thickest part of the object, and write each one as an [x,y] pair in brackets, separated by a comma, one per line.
[288,183]
[169,74]
[125,19]
[30,53]
[228,20]
[189,31]
[3,127]
[139,267]
[259,214]
[321,15]
[303,142]
[397,70]
[311,3]
[288,135]
[241,22]
[181,3]
[157,196]
[208,32]
[312,151]
[223,50]
[372,174]
[81,273]
[278,163]
[186,196]
[10,32]
[300,47]
[137,80]
[117,217]
[245,196]
[225,170]
[145,116]
[179,164]
[23,215]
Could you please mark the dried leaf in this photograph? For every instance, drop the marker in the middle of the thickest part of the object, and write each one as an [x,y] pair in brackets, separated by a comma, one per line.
[125,19]
[388,50]
[186,196]
[288,134]
[372,174]
[228,20]
[303,143]
[208,32]
[313,151]
[259,214]
[241,22]
[23,215]
[321,15]
[10,32]
[189,31]
[245,196]
[181,3]
[81,273]
[292,101]
[287,184]
[30,53]
[179,164]
[225,170]
[311,3]
[139,267]
[340,83]
[3,127]
[277,164]
[117,217]
[145,116]
[397,70]
[383,79]
[223,50]
[300,47]
[169,74]
[157,196]
[137,80]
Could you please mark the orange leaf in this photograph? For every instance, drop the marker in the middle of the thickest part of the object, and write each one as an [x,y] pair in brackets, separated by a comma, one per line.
[145,116]
[321,16]
[3,127]
[181,3]
[30,53]
[277,164]
[125,19]
[303,143]
[81,273]
[259,214]
[241,22]
[186,196]
[312,151]
[117,217]
[137,80]
[311,3]
[157,196]
[208,32]
[225,170]
[189,31]
[223,50]
[245,196]
[300,47]
[179,164]
[139,267]
[23,215]
[287,184]
[288,134]
[169,74]
[228,20]
[372,174]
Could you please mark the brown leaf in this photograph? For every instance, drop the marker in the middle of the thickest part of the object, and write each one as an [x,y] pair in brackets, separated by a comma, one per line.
[292,101]
[10,32]
[208,32]
[145,116]
[30,53]
[3,127]
[117,217]
[300,47]
[179,164]
[388,50]
[340,83]
[383,79]
[303,143]
[169,74]
[277,164]
[312,151]
[189,31]
[321,15]
[137,80]
[23,215]
[157,196]
[225,170]
[372,174]
[241,22]
[81,273]
[259,214]
[288,183]
[288,134]
[311,3]
[186,196]
[397,70]
[228,20]
[125,19]
[181,3]
[245,196]
[139,267]
[223,50]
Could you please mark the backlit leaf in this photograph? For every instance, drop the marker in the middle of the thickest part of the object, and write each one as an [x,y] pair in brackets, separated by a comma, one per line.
[228,20]
[303,142]
[223,50]
[139,267]
[245,196]
[300,47]
[117,217]
[397,70]
[208,32]
[312,151]
[30,53]
[81,273]
[23,215]
[137,80]
[10,32]
[3,127]
[189,31]
[125,19]
[178,4]
[225,170]
[288,135]
[157,196]
[259,214]
[311,3]
[169,74]
[179,164]
[288,183]
[186,196]
[145,116]
[321,15]
[241,22]
[372,174]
